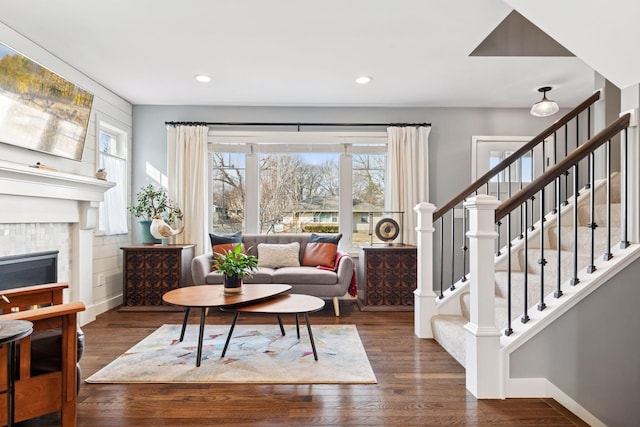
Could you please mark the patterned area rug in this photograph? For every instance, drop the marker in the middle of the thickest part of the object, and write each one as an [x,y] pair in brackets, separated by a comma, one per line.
[256,354]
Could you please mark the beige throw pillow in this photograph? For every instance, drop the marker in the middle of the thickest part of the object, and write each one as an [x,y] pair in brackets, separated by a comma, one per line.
[276,256]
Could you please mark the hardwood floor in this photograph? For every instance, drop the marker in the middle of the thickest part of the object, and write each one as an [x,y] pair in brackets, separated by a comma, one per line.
[419,384]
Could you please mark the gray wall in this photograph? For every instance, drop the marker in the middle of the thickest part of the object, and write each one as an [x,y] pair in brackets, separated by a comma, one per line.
[592,353]
[449,141]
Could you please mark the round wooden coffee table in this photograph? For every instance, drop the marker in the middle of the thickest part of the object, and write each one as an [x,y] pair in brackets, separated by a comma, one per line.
[209,296]
[284,304]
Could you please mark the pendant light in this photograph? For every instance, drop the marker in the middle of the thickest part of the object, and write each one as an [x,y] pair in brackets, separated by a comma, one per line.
[544,107]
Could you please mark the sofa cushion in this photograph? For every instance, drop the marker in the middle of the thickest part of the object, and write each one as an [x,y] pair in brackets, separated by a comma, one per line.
[304,275]
[321,250]
[222,243]
[261,275]
[277,255]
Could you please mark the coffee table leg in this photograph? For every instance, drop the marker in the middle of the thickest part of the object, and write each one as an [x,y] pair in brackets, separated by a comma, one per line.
[280,323]
[313,344]
[184,322]
[201,336]
[297,326]
[233,325]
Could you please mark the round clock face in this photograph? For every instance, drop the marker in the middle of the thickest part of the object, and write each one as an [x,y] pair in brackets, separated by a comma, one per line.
[387,229]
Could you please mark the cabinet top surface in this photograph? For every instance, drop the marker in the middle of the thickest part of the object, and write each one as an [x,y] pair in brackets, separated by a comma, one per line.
[157,246]
[387,247]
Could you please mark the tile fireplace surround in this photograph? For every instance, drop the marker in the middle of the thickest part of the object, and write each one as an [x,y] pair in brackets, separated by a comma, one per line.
[46,210]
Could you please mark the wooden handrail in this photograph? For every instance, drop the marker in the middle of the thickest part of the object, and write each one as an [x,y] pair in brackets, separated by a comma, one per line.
[516,155]
[558,169]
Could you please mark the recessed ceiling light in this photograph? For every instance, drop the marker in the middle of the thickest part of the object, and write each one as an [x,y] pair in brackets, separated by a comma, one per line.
[363,80]
[202,78]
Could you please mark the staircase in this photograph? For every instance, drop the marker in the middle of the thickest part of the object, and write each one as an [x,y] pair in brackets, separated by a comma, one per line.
[448,329]
[527,260]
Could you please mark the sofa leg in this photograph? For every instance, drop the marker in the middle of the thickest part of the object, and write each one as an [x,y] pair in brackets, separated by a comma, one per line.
[336,306]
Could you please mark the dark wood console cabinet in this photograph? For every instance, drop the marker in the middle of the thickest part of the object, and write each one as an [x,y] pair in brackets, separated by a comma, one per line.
[152,270]
[388,277]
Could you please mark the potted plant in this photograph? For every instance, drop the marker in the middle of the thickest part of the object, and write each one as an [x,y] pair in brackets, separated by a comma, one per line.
[151,201]
[234,264]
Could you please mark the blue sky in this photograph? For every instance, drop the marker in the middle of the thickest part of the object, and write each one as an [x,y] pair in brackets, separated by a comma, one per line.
[5,50]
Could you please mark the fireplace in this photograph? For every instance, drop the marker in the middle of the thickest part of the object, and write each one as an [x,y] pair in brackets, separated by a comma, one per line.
[29,269]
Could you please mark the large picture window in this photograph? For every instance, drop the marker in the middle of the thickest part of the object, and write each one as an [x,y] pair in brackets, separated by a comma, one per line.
[272,183]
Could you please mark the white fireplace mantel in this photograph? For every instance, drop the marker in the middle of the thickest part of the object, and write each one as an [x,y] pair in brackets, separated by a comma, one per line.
[29,195]
[35,195]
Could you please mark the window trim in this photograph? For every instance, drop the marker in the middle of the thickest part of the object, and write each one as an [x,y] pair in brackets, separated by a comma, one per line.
[253,143]
[121,130]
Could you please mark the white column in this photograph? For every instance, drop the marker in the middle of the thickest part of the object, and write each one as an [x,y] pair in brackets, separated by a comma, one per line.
[482,336]
[425,298]
[252,181]
[82,279]
[346,202]
[630,102]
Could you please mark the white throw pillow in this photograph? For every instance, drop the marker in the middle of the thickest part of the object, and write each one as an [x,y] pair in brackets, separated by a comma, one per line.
[276,256]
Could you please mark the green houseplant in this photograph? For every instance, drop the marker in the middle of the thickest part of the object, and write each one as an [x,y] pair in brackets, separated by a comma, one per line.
[234,264]
[151,201]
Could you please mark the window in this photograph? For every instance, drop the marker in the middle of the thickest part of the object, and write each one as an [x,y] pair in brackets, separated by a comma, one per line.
[368,194]
[296,182]
[298,190]
[112,157]
[228,192]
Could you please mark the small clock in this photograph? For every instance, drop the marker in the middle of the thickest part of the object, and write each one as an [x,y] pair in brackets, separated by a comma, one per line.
[387,229]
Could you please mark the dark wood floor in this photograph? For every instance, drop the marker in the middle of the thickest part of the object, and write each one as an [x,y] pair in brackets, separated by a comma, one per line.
[419,384]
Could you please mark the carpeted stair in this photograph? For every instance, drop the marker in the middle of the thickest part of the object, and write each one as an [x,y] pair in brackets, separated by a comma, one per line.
[448,330]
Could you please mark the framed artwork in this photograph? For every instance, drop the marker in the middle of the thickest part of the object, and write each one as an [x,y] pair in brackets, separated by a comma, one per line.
[40,110]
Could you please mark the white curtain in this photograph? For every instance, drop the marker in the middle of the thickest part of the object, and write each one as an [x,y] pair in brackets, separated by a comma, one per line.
[187,171]
[407,180]
[113,210]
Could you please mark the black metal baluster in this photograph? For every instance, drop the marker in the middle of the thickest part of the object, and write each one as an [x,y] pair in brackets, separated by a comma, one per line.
[624,243]
[566,174]
[525,314]
[441,257]
[522,207]
[558,292]
[532,227]
[498,224]
[509,330]
[575,280]
[464,245]
[556,183]
[607,255]
[453,252]
[592,217]
[542,262]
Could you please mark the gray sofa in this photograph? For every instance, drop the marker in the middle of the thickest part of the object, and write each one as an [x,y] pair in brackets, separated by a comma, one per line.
[306,280]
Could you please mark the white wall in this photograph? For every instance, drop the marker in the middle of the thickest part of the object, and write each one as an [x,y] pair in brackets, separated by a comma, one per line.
[107,254]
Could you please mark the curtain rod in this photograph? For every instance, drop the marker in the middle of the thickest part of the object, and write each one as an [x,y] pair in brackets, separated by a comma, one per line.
[298,125]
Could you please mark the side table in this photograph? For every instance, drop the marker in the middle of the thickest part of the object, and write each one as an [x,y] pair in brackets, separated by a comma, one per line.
[389,277]
[152,270]
[11,331]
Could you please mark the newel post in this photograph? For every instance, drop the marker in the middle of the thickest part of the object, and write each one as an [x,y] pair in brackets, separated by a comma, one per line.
[425,298]
[482,335]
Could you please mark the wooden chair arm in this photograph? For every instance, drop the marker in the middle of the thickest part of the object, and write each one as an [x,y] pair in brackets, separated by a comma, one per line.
[29,296]
[45,312]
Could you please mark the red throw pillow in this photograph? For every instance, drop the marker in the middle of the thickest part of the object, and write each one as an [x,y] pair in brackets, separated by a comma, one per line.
[321,250]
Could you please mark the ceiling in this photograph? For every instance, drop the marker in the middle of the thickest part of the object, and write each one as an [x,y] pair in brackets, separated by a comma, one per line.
[296,53]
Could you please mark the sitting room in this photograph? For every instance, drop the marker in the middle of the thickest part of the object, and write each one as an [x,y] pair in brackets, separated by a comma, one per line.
[211,211]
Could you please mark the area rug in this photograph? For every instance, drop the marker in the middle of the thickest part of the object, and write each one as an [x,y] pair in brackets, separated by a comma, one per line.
[256,354]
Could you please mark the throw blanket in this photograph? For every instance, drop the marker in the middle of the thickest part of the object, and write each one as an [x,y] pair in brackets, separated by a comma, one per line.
[353,286]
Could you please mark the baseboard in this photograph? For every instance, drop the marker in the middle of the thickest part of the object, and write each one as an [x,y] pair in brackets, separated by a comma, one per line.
[541,388]
[89,315]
